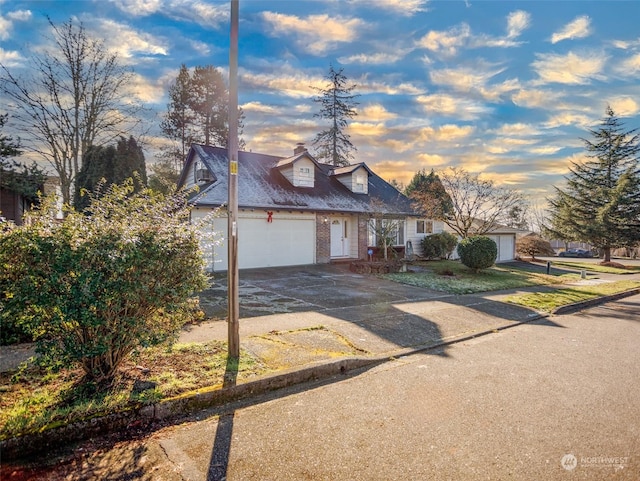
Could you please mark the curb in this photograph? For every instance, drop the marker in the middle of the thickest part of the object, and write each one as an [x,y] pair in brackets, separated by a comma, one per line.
[577,306]
[215,396]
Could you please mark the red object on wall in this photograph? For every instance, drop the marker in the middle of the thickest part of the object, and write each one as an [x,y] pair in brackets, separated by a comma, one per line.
[269,216]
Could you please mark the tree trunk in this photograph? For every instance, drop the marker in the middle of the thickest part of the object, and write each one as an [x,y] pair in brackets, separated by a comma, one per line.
[607,254]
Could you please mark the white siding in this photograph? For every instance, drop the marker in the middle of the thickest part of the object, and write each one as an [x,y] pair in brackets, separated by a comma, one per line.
[357,181]
[301,173]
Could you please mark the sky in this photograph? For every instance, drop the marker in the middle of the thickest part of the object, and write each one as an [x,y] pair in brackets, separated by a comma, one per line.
[505,89]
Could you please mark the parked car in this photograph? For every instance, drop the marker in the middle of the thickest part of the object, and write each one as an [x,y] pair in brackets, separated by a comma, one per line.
[575,253]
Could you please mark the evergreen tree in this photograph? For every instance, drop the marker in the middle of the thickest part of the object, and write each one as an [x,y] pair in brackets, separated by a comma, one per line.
[165,177]
[210,103]
[179,121]
[197,112]
[429,195]
[601,201]
[337,103]
[104,166]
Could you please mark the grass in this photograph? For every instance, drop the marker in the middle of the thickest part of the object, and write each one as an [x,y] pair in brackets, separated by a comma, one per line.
[594,267]
[548,301]
[33,399]
[455,278]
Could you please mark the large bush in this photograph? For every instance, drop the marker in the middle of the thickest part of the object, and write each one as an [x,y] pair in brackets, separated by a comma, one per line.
[95,286]
[533,244]
[438,246]
[477,252]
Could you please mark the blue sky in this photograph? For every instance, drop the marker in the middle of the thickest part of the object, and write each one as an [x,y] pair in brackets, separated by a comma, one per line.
[505,89]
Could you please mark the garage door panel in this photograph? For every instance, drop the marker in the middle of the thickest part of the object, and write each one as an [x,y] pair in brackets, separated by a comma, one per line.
[281,242]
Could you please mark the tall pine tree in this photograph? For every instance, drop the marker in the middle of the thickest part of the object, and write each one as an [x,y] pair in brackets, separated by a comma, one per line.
[601,201]
[337,104]
[104,166]
[197,112]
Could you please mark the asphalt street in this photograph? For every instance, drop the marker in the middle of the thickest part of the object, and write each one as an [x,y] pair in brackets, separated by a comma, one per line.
[555,400]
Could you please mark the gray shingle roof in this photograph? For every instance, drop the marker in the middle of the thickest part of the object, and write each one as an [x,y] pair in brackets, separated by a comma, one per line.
[262,185]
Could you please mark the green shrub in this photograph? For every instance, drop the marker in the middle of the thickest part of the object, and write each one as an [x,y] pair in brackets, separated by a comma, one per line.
[438,246]
[95,286]
[477,252]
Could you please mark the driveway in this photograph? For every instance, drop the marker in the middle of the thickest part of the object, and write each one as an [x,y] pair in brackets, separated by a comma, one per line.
[303,288]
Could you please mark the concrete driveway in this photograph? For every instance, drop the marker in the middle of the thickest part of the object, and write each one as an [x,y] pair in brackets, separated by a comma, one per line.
[302,288]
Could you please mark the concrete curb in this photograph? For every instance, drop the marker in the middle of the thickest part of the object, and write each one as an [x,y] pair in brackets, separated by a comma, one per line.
[577,306]
[215,396]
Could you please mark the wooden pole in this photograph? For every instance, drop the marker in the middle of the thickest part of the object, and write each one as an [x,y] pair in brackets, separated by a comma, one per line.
[232,209]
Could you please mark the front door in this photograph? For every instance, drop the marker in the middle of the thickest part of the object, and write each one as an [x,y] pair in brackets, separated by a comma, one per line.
[339,238]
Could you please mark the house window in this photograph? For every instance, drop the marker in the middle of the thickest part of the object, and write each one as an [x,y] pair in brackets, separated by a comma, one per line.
[304,170]
[424,226]
[360,183]
[394,228]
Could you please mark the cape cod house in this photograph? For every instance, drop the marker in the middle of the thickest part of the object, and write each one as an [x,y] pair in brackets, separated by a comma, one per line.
[295,210]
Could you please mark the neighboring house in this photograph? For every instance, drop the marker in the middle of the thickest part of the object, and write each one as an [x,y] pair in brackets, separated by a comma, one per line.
[294,210]
[504,237]
[13,205]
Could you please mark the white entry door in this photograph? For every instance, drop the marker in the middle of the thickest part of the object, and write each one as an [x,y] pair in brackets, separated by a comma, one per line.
[339,238]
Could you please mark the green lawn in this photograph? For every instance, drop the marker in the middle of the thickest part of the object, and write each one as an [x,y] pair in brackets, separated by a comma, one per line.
[33,399]
[548,301]
[455,278]
[594,267]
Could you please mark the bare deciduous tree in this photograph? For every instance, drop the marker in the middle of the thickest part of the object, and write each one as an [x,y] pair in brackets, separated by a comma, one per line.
[73,97]
[478,206]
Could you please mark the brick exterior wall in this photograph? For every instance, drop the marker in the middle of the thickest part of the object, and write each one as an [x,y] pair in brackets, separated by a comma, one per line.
[323,240]
[363,238]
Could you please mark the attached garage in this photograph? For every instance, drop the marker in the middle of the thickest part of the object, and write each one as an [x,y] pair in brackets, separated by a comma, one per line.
[288,239]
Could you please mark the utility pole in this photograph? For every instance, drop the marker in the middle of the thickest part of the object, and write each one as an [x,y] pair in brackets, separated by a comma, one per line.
[232,207]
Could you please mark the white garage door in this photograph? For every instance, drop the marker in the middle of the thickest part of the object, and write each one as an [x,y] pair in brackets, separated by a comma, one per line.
[288,240]
[505,247]
[282,242]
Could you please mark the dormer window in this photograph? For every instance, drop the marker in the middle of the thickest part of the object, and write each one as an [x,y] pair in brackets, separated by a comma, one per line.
[299,169]
[354,177]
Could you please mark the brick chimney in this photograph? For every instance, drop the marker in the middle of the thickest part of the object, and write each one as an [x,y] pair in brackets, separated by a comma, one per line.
[300,148]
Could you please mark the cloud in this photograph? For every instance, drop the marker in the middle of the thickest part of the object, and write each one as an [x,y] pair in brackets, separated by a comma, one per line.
[578,28]
[446,133]
[402,7]
[625,106]
[203,13]
[286,81]
[474,79]
[446,42]
[129,43]
[448,105]
[380,58]
[375,113]
[139,8]
[20,15]
[316,34]
[432,160]
[6,23]
[535,98]
[517,22]
[10,58]
[148,91]
[570,68]
[567,118]
[630,66]
[365,129]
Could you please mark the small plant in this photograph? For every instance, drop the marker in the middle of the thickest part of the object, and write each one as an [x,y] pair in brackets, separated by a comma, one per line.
[477,252]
